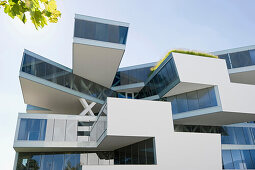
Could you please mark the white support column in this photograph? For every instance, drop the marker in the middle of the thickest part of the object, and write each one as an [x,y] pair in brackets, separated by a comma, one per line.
[87,108]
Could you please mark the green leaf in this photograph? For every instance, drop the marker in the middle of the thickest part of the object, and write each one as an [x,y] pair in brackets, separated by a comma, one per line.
[7,9]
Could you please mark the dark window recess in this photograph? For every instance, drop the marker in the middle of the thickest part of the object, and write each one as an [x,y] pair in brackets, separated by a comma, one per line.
[85,123]
[139,153]
[83,133]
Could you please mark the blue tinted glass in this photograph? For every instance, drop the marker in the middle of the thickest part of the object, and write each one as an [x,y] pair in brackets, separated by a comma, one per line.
[231,135]
[227,161]
[204,98]
[248,136]
[23,129]
[47,162]
[123,34]
[43,129]
[32,129]
[173,104]
[58,162]
[240,59]
[252,152]
[252,55]
[72,161]
[182,104]
[101,32]
[213,98]
[247,159]
[64,78]
[225,136]
[34,133]
[239,135]
[225,56]
[192,100]
[237,159]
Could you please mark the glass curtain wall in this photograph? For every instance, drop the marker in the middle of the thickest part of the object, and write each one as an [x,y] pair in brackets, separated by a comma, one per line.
[138,153]
[239,59]
[52,73]
[131,76]
[238,159]
[99,31]
[165,77]
[194,100]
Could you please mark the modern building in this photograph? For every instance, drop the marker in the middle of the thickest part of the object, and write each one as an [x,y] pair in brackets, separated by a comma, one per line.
[193,112]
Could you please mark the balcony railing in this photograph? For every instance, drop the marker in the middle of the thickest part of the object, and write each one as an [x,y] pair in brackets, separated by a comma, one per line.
[100,126]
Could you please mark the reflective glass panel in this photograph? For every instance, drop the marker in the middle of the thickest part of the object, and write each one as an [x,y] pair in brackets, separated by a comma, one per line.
[227,162]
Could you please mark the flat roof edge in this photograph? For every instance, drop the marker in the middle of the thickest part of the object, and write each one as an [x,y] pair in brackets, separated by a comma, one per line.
[101,20]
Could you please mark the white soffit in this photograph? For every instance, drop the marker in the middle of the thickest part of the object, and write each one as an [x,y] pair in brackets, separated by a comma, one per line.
[96,63]
[46,97]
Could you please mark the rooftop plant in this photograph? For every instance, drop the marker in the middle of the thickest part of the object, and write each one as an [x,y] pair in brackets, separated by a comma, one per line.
[190,52]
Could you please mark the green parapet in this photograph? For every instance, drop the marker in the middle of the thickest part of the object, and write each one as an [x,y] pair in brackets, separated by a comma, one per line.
[190,52]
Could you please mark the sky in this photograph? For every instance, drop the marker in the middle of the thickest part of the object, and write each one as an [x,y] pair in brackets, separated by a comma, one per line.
[155,28]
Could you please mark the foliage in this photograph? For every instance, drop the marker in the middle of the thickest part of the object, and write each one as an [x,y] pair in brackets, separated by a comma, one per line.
[41,11]
[190,52]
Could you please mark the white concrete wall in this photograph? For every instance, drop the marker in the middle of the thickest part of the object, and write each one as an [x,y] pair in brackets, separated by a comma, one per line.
[201,70]
[237,98]
[174,150]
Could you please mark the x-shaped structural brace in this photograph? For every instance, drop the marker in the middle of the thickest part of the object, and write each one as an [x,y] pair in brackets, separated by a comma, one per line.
[87,107]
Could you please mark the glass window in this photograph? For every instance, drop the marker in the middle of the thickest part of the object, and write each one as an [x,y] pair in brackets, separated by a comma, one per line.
[135,159]
[239,135]
[227,161]
[231,135]
[204,98]
[213,98]
[101,32]
[192,100]
[225,56]
[240,59]
[252,152]
[58,161]
[47,162]
[182,104]
[122,153]
[150,151]
[173,104]
[237,159]
[113,33]
[142,156]
[128,155]
[116,157]
[252,55]
[248,164]
[248,136]
[72,161]
[32,129]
